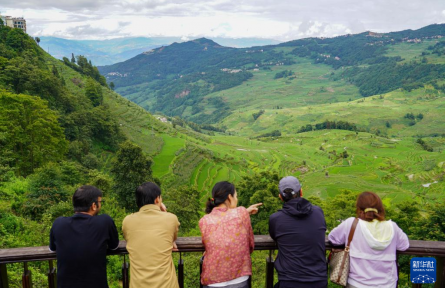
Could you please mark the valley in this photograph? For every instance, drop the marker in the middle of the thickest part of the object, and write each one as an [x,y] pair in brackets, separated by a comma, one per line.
[382,154]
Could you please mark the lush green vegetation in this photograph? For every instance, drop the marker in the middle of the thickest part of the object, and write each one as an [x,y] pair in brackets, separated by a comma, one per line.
[85,67]
[61,127]
[328,125]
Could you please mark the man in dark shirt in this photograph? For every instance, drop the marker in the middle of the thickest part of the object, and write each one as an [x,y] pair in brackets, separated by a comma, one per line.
[81,242]
[299,230]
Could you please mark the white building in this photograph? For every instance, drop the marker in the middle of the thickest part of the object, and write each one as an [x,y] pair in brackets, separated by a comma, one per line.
[14,22]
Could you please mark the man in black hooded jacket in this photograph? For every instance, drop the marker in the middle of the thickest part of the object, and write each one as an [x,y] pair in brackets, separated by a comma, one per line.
[299,230]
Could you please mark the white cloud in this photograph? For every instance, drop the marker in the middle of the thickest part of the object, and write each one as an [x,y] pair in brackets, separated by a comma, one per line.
[278,19]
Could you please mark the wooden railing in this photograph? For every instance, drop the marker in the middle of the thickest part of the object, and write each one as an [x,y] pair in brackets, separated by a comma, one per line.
[192,244]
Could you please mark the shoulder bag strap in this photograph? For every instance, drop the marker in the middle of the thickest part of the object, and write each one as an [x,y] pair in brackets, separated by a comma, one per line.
[346,251]
[351,232]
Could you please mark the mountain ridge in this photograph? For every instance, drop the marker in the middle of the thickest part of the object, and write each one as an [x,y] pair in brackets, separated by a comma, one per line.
[154,79]
[110,51]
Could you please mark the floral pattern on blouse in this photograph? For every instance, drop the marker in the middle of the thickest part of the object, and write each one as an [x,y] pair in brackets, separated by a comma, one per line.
[228,240]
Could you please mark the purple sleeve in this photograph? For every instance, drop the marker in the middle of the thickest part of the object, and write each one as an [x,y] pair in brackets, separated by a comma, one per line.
[338,234]
[402,240]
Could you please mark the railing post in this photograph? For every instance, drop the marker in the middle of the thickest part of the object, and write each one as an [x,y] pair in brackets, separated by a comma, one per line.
[26,277]
[200,271]
[440,268]
[52,281]
[125,278]
[269,270]
[3,276]
[181,271]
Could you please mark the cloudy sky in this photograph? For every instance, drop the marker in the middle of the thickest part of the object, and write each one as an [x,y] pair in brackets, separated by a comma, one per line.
[276,19]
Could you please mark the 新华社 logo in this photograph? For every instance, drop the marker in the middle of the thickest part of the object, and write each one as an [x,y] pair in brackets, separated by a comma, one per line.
[423,270]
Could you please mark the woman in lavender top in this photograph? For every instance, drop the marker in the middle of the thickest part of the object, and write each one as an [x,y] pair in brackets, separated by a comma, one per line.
[373,248]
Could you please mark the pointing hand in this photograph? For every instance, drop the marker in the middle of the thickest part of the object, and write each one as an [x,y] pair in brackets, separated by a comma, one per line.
[253,209]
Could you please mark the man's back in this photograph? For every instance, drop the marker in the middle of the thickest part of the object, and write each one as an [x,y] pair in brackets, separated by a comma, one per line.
[81,242]
[299,230]
[150,234]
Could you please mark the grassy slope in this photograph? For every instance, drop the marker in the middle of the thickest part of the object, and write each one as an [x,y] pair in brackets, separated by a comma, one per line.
[371,112]
[413,52]
[310,86]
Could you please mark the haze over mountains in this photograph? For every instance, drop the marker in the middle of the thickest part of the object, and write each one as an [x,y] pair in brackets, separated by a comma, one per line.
[106,52]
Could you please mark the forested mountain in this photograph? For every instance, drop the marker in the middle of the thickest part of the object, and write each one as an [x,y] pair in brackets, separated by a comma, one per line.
[179,75]
[175,79]
[364,53]
[110,51]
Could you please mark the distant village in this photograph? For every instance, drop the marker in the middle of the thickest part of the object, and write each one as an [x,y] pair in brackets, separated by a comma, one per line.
[14,22]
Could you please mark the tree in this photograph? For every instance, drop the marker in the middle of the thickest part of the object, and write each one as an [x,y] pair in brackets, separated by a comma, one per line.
[260,188]
[37,40]
[257,114]
[73,59]
[184,203]
[431,227]
[50,185]
[340,208]
[6,171]
[55,71]
[112,85]
[25,75]
[16,39]
[94,92]
[130,169]
[403,214]
[31,132]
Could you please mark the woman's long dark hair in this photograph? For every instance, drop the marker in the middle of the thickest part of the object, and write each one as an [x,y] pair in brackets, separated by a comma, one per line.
[220,193]
[370,200]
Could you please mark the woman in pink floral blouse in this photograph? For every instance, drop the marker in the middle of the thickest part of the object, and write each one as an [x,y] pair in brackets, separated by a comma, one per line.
[228,239]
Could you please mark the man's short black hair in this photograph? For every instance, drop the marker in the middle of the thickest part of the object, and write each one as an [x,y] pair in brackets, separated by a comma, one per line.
[147,194]
[84,197]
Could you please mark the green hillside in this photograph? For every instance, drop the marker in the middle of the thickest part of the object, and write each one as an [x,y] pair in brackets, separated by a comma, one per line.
[304,90]
[308,95]
[61,126]
[204,82]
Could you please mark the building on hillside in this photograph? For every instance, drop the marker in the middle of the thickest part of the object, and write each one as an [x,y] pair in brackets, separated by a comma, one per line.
[14,22]
[20,23]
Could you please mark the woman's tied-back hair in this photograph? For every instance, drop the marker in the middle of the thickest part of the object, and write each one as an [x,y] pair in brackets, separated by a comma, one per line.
[367,204]
[220,193]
